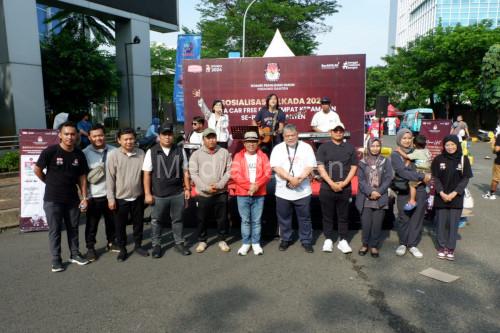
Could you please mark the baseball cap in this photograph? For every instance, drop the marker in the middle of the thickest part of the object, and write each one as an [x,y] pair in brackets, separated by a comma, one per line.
[251,136]
[325,100]
[337,124]
[166,128]
[208,131]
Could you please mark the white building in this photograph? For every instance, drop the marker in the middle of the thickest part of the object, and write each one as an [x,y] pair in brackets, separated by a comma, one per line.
[416,17]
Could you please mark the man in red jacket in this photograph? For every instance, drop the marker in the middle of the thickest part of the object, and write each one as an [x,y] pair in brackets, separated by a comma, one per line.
[250,172]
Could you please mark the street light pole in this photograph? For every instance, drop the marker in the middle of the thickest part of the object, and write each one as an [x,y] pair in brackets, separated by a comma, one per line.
[244,26]
[136,40]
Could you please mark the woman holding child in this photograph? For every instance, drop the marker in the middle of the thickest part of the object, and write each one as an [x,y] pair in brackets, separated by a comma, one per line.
[409,223]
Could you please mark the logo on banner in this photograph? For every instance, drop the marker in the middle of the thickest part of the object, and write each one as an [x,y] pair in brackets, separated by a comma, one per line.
[330,66]
[350,65]
[195,69]
[272,72]
[187,49]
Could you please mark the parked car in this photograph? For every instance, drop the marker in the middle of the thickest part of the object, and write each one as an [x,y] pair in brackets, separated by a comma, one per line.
[413,118]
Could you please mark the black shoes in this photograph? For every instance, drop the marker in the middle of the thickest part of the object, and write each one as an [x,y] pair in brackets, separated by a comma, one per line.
[122,255]
[141,251]
[308,248]
[182,249]
[78,259]
[91,255]
[374,254]
[57,267]
[112,247]
[363,251]
[284,245]
[156,253]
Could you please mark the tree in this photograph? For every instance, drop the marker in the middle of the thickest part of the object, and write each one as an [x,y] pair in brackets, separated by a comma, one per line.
[85,26]
[76,73]
[378,83]
[299,21]
[490,81]
[163,70]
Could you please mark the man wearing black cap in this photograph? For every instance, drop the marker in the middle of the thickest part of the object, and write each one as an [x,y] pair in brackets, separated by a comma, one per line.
[323,120]
[166,186]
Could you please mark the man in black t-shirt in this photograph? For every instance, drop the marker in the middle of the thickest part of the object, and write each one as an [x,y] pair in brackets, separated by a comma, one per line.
[337,165]
[66,167]
[495,178]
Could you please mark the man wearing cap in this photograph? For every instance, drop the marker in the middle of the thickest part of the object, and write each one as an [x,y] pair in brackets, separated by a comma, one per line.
[250,172]
[337,165]
[293,161]
[166,186]
[210,170]
[323,120]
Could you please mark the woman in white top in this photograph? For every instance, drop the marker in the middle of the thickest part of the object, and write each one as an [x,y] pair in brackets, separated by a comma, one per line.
[218,121]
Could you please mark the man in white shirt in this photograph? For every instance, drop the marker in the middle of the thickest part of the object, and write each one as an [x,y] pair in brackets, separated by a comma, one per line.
[293,161]
[323,121]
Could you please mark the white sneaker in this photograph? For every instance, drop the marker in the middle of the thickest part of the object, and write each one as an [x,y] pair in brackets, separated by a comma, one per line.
[257,249]
[401,250]
[489,196]
[343,246]
[244,249]
[416,252]
[328,246]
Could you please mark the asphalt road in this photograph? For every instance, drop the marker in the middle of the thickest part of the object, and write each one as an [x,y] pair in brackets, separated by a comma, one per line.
[278,292]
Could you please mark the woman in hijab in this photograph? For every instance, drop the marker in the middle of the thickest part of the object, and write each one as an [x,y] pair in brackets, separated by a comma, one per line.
[451,172]
[372,200]
[409,223]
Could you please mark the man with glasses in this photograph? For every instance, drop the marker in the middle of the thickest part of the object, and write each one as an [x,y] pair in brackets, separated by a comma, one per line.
[293,161]
[337,165]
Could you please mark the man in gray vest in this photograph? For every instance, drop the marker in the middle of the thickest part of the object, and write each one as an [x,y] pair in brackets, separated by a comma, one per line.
[166,186]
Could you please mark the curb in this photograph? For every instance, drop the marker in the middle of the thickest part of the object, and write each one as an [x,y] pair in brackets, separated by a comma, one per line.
[9,218]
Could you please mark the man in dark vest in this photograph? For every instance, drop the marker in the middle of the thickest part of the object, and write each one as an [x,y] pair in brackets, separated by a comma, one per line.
[166,186]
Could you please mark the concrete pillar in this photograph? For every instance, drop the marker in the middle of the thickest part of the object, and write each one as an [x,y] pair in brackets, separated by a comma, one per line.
[138,89]
[21,86]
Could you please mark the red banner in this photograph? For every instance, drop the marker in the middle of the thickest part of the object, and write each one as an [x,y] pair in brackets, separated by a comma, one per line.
[300,82]
[31,144]
[435,131]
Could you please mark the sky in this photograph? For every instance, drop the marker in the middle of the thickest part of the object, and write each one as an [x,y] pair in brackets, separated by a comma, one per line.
[360,26]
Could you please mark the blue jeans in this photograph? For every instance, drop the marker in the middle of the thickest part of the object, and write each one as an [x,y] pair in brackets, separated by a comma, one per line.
[250,209]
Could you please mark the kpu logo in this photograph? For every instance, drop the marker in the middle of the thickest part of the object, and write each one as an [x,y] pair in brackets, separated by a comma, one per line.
[272,72]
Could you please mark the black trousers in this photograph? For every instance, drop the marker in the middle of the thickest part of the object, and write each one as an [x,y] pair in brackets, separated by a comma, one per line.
[410,224]
[136,210]
[206,206]
[98,207]
[335,203]
[447,227]
[371,223]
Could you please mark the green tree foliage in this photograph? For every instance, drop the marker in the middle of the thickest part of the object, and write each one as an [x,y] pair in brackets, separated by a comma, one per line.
[76,73]
[299,22]
[378,83]
[490,78]
[163,69]
[444,65]
[83,26]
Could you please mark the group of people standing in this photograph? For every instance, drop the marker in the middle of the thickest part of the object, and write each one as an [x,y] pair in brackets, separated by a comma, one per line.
[117,183]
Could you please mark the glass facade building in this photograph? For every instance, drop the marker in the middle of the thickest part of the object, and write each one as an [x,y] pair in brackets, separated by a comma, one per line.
[417,17]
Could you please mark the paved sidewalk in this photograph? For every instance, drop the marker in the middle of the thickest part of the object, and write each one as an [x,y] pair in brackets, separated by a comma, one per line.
[9,202]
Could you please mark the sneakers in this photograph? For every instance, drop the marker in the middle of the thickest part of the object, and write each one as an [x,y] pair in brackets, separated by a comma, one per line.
[122,255]
[308,248]
[489,196]
[91,255]
[141,251]
[327,246]
[409,207]
[416,252]
[450,255]
[344,247]
[401,250]
[182,249]
[111,247]
[224,247]
[257,249]
[243,251]
[57,267]
[442,253]
[79,260]
[156,253]
[202,246]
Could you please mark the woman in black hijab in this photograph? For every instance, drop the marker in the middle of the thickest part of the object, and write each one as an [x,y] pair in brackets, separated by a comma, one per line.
[451,172]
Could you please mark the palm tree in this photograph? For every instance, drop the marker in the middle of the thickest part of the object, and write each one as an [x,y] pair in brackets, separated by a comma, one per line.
[83,26]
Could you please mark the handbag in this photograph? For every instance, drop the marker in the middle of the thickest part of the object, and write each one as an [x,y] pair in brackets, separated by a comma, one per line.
[97,174]
[400,185]
[468,199]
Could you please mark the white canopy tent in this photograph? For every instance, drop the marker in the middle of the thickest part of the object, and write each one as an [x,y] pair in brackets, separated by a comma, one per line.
[278,47]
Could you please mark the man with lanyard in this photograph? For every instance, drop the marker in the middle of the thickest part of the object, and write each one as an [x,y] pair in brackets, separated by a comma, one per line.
[323,120]
[66,168]
[337,165]
[166,186]
[96,154]
[293,161]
